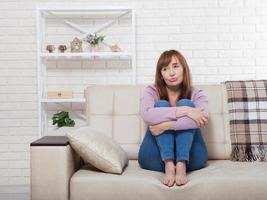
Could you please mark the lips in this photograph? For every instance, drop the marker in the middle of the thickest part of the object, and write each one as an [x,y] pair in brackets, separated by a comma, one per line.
[173,79]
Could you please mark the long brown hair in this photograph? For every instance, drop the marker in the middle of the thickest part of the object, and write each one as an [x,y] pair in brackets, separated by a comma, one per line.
[186,85]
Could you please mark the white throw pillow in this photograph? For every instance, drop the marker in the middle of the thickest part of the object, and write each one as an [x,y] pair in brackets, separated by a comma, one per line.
[98,149]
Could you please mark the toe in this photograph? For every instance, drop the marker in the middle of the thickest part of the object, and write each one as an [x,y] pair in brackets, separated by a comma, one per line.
[179,181]
[165,182]
[186,180]
[170,183]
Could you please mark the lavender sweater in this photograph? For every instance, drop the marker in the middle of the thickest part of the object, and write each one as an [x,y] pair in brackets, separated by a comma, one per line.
[157,115]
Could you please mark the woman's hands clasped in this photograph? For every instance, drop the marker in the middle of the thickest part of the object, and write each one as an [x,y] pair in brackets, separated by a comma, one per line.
[198,115]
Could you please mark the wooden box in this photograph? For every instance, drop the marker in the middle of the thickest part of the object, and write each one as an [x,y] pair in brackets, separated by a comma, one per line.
[59,94]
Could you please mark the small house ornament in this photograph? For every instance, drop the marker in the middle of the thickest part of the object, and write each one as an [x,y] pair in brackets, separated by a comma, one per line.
[76,45]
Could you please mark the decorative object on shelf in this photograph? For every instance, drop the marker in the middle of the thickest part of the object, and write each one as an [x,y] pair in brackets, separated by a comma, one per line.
[115,48]
[76,45]
[62,119]
[50,48]
[95,48]
[62,48]
[94,40]
[59,94]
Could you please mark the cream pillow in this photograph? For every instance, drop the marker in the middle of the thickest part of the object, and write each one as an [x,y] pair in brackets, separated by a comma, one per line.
[98,149]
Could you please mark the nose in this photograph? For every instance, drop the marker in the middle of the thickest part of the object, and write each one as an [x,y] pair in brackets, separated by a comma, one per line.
[171,72]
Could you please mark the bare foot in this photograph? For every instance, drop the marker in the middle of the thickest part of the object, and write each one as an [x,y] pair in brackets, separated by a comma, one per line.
[169,177]
[181,178]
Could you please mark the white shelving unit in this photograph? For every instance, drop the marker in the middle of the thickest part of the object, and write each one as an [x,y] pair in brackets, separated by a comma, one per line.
[64,15]
[87,55]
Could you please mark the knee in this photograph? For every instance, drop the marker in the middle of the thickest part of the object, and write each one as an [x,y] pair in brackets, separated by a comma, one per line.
[162,103]
[185,102]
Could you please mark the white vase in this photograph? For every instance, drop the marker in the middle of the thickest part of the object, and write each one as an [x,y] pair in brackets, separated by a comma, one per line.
[86,47]
[95,48]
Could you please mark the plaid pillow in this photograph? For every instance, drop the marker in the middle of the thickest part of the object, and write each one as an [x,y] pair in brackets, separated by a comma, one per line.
[247,105]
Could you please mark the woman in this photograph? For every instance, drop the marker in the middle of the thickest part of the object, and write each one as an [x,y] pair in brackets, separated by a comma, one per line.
[174,112]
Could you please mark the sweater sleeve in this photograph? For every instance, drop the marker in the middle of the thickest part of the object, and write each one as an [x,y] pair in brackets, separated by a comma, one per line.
[152,115]
[200,100]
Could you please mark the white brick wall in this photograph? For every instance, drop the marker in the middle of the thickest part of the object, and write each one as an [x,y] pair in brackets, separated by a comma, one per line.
[221,39]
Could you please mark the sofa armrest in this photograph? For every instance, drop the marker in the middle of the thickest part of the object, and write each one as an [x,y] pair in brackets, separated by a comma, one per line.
[53,162]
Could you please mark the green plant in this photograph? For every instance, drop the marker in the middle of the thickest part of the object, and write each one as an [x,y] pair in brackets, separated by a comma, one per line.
[94,39]
[62,119]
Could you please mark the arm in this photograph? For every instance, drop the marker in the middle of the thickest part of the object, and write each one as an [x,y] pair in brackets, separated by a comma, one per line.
[184,122]
[200,100]
[152,115]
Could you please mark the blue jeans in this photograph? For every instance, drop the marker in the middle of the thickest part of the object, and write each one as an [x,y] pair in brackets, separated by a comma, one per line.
[178,145]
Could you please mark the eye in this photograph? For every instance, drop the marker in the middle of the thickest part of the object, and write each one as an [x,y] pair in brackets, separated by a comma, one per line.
[164,69]
[176,66]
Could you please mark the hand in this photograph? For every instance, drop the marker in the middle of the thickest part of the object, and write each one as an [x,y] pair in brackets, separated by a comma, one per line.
[197,114]
[160,128]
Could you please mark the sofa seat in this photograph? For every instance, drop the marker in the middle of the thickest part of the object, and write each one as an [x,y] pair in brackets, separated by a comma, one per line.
[221,179]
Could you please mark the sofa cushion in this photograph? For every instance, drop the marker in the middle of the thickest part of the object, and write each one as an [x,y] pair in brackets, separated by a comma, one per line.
[220,180]
[98,149]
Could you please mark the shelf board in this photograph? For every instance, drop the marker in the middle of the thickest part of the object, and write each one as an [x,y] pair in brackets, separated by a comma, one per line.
[81,8]
[74,100]
[85,54]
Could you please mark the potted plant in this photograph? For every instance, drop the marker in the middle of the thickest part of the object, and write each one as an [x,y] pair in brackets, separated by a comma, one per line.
[94,40]
[62,119]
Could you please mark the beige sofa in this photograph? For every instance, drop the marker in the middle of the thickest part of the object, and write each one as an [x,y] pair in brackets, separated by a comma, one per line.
[57,173]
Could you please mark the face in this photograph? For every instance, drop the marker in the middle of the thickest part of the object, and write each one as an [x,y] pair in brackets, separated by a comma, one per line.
[173,73]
